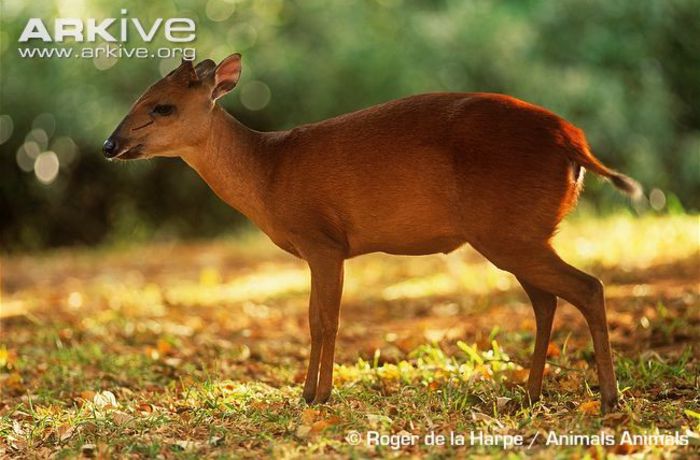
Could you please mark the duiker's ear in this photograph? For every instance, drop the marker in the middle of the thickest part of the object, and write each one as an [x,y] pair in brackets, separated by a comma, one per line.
[226,75]
[184,73]
[205,69]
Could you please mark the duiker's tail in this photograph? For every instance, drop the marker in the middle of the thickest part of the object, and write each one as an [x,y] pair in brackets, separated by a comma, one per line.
[585,158]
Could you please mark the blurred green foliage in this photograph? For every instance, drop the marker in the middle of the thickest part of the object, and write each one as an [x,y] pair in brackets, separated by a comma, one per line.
[626,72]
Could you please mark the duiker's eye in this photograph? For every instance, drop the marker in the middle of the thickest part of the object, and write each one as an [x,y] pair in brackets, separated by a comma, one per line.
[163,109]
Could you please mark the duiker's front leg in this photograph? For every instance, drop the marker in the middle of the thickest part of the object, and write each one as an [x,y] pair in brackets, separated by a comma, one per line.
[316,341]
[324,309]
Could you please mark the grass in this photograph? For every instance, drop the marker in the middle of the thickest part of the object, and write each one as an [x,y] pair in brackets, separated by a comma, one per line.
[199,350]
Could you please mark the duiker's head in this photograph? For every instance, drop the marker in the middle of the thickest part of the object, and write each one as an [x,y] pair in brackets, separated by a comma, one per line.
[174,113]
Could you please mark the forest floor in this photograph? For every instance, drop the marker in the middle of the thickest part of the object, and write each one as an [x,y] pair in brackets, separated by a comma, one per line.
[189,350]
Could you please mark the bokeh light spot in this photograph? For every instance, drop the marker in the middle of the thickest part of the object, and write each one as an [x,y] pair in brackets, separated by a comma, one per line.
[38,136]
[242,36]
[24,161]
[46,167]
[219,10]
[66,149]
[102,61]
[255,95]
[6,127]
[45,121]
[657,199]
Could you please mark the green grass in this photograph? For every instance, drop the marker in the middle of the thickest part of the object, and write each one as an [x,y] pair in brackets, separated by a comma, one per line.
[198,350]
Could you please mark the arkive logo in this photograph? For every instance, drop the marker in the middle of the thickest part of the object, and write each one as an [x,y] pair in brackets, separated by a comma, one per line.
[111,30]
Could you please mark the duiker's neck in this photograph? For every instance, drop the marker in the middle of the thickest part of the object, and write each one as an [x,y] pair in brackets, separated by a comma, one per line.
[236,163]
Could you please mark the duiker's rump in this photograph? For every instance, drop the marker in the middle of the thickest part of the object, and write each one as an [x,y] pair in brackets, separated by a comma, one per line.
[419,175]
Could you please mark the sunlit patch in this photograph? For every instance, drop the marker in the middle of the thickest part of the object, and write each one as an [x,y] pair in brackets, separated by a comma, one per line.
[429,365]
[439,284]
[75,300]
[227,365]
[584,247]
[623,243]
[268,283]
[474,278]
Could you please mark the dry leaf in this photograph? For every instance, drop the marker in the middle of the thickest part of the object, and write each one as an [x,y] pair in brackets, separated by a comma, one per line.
[501,402]
[518,375]
[589,407]
[65,432]
[88,450]
[173,362]
[480,417]
[571,383]
[626,449]
[164,348]
[319,426]
[184,445]
[303,431]
[105,400]
[145,408]
[8,358]
[215,440]
[18,444]
[17,428]
[553,350]
[14,383]
[309,415]
[87,395]
[300,377]
[121,418]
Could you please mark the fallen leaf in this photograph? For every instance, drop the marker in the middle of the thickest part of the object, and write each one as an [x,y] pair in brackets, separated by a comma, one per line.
[88,450]
[14,383]
[8,358]
[105,400]
[518,375]
[589,407]
[164,348]
[303,431]
[300,377]
[145,408]
[87,395]
[571,383]
[172,362]
[17,444]
[553,350]
[17,428]
[215,440]
[309,415]
[65,432]
[184,445]
[501,402]
[626,449]
[121,418]
[480,417]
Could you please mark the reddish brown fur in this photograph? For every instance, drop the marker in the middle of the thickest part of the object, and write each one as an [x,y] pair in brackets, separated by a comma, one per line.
[419,175]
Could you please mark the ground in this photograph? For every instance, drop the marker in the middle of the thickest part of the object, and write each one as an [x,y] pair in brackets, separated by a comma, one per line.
[189,350]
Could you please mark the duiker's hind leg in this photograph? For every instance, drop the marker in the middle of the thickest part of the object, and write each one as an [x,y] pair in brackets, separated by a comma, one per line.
[544,304]
[540,266]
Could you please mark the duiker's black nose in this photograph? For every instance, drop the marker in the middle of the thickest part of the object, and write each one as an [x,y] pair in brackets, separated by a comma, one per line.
[109,147]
